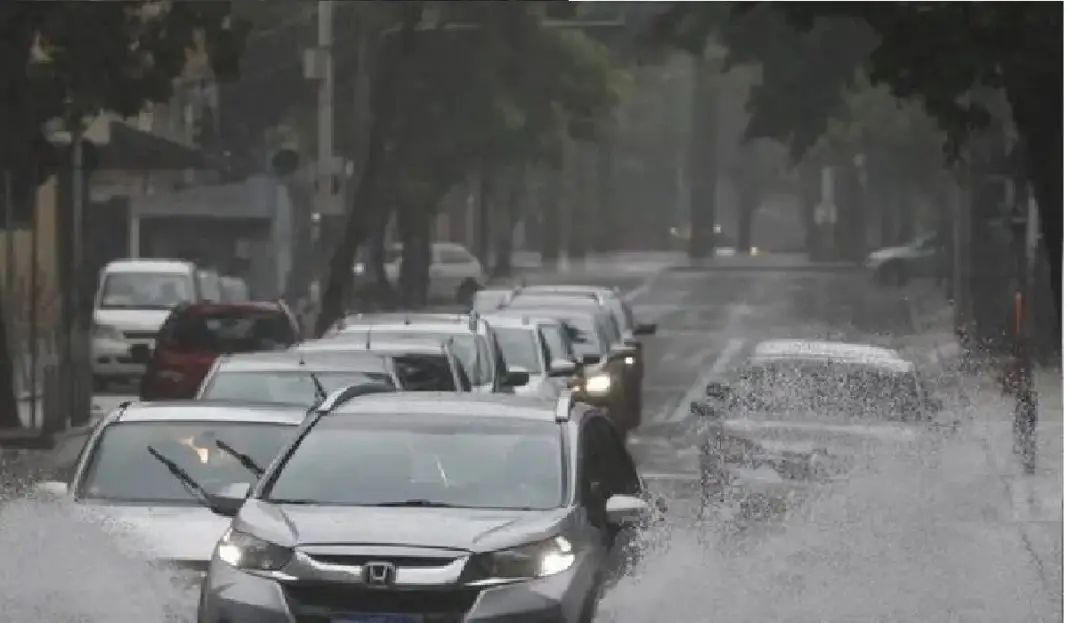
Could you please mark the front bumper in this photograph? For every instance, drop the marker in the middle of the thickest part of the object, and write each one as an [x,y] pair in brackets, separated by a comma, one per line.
[112,359]
[232,596]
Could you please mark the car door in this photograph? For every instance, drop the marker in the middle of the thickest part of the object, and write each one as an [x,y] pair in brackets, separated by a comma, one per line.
[609,471]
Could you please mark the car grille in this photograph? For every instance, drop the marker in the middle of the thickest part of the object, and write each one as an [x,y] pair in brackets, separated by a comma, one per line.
[315,603]
[397,561]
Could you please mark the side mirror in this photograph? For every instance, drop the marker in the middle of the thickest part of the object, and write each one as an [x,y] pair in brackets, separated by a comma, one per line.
[625,509]
[647,328]
[140,353]
[591,360]
[51,488]
[563,367]
[229,500]
[717,391]
[516,377]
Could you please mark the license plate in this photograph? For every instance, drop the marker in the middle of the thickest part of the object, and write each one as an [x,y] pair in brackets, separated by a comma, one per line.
[380,617]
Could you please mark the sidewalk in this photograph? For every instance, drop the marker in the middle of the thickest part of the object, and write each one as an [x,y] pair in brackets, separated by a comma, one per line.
[1033,505]
[629,262]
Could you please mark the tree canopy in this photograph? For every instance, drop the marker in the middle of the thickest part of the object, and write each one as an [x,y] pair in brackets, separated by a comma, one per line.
[936,52]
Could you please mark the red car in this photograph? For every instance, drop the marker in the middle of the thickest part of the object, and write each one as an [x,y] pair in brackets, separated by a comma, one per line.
[196,333]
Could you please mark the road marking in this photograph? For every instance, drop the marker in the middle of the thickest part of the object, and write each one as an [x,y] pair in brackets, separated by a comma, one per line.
[697,390]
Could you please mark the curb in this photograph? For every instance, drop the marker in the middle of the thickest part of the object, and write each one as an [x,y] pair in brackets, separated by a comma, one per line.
[712,267]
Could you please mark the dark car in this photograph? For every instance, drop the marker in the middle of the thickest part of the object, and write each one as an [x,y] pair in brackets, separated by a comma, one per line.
[293,378]
[432,507]
[194,335]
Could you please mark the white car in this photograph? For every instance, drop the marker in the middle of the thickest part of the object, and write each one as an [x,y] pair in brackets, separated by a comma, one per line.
[896,265]
[455,274]
[525,341]
[133,299]
[123,473]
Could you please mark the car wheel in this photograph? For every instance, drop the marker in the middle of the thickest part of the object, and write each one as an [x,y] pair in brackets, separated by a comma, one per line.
[465,294]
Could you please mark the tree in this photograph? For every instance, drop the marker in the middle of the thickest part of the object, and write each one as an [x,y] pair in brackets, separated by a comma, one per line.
[937,52]
[72,61]
[465,95]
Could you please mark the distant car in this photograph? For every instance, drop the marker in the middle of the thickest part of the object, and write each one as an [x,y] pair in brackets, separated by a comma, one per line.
[292,378]
[234,288]
[420,365]
[611,364]
[133,299]
[917,259]
[196,334]
[524,340]
[471,336]
[455,274]
[123,472]
[434,508]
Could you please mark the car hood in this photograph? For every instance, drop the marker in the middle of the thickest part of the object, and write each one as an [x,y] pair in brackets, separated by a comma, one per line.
[448,528]
[185,534]
[132,319]
[781,436]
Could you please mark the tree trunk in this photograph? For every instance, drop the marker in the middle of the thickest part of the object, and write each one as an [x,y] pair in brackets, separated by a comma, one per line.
[502,266]
[703,169]
[549,231]
[414,225]
[748,201]
[810,197]
[9,415]
[382,294]
[367,188]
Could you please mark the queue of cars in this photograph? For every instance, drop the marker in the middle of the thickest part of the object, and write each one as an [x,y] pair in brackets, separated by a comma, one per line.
[410,468]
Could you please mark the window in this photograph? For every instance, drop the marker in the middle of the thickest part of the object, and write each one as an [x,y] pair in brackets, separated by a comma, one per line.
[586,336]
[368,460]
[469,347]
[210,286]
[451,255]
[426,373]
[284,387]
[145,290]
[227,331]
[520,348]
[121,468]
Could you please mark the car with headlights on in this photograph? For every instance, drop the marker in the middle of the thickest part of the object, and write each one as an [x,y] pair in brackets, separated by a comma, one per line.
[419,364]
[293,378]
[609,365]
[124,472]
[432,508]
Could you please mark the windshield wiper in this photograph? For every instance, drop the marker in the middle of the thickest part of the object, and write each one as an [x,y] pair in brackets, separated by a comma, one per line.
[245,460]
[416,502]
[192,486]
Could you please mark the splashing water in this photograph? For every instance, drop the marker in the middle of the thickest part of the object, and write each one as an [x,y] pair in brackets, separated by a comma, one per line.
[63,564]
[919,534]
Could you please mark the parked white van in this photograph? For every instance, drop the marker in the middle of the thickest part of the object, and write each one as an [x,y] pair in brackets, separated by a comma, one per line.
[133,299]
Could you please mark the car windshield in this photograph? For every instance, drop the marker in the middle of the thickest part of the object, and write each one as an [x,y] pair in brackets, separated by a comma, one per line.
[367,460]
[284,387]
[556,339]
[121,469]
[585,338]
[428,373]
[145,290]
[825,390]
[227,331]
[469,348]
[520,348]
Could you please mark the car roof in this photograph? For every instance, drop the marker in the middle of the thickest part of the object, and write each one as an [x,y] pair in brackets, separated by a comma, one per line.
[549,300]
[452,403]
[406,318]
[516,321]
[570,288]
[429,326]
[526,314]
[292,361]
[211,411]
[141,266]
[217,306]
[843,352]
[390,347]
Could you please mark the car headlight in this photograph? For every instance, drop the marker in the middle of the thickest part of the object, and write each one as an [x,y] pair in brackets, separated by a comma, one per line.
[527,562]
[598,384]
[244,551]
[107,332]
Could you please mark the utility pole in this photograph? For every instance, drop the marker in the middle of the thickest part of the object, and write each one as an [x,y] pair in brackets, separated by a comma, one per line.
[319,64]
